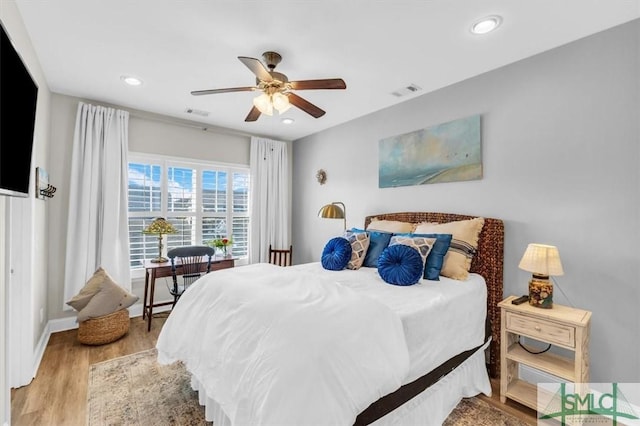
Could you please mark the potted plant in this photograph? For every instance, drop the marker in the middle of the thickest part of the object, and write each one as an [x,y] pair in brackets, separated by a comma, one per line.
[222,244]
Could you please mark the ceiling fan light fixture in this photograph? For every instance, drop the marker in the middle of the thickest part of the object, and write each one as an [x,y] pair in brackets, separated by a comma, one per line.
[280,102]
[277,91]
[263,103]
[486,25]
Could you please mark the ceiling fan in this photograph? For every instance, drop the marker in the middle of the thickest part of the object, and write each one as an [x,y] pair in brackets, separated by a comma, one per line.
[277,90]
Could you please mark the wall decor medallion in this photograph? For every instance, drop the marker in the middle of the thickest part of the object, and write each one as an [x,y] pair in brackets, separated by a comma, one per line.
[321,176]
[447,152]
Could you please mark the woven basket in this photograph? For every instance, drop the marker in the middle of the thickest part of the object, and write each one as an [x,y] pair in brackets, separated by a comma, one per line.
[104,329]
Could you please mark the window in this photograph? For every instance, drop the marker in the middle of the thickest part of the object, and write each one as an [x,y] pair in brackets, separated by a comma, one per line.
[202,200]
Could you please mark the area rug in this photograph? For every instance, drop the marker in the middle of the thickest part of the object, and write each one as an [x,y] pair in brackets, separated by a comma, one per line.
[475,412]
[136,390]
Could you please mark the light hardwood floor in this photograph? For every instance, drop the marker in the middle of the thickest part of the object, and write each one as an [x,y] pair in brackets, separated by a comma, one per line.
[520,411]
[58,394]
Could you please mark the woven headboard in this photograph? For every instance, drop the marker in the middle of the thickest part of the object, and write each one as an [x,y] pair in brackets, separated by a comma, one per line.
[487,262]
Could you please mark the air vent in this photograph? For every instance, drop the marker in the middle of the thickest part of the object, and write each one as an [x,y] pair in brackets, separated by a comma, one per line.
[197,112]
[410,89]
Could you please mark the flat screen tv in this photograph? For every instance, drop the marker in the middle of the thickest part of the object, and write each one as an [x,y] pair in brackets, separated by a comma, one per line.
[18,96]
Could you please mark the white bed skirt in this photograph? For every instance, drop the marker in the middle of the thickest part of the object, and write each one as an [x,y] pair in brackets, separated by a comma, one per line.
[430,408]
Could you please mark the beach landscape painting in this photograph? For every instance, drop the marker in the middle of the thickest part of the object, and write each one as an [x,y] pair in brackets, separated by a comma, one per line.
[447,152]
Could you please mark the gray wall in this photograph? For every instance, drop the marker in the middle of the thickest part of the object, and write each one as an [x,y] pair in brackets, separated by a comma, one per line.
[148,133]
[560,146]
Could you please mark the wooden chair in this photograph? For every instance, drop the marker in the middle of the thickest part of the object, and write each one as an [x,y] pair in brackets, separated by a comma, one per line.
[280,257]
[188,263]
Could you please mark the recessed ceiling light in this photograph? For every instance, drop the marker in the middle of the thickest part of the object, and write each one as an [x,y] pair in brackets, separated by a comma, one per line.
[287,120]
[131,80]
[486,25]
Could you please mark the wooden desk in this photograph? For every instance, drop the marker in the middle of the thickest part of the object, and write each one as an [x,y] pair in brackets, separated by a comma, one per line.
[159,270]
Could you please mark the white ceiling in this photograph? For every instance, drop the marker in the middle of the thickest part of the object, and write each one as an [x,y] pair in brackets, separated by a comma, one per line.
[377,47]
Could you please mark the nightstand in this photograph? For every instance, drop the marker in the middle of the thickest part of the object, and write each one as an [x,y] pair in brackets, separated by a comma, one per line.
[560,326]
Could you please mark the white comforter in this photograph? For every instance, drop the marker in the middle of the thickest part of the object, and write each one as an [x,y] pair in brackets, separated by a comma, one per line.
[440,318]
[280,346]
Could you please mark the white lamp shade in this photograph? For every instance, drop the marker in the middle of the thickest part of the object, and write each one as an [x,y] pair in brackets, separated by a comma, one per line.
[281,102]
[263,103]
[541,259]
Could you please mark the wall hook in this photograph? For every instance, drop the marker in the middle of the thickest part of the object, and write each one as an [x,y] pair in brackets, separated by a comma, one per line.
[44,189]
[48,191]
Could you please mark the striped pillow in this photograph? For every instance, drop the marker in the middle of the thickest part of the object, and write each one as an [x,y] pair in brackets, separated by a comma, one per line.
[464,244]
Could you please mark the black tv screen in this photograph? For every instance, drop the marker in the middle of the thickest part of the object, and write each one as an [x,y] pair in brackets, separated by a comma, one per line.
[18,97]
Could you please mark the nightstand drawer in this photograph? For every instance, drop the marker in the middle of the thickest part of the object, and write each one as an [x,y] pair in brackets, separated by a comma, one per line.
[540,329]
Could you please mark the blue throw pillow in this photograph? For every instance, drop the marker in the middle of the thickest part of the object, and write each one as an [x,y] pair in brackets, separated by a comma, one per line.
[400,265]
[378,241]
[336,254]
[435,259]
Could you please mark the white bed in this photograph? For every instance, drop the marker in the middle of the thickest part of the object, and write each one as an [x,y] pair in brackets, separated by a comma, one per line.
[261,351]
[440,318]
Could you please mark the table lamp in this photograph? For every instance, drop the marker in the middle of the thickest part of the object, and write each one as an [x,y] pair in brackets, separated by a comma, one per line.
[160,226]
[334,211]
[542,261]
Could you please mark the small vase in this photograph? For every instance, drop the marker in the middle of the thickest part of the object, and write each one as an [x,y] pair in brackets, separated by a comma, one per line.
[224,251]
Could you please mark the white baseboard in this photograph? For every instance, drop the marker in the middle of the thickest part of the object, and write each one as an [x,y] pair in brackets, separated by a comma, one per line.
[40,348]
[70,323]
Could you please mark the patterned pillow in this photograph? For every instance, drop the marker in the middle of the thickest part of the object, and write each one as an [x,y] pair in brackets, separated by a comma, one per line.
[435,259]
[378,241]
[464,244]
[359,244]
[422,244]
[336,254]
[400,264]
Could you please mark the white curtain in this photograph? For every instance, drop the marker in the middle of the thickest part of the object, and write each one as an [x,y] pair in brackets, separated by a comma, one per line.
[97,228]
[270,197]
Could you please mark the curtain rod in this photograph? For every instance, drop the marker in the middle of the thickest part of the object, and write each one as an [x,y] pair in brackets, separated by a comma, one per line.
[169,120]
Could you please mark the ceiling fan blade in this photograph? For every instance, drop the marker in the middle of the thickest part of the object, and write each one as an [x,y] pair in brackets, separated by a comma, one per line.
[253,115]
[328,83]
[256,67]
[230,89]
[305,105]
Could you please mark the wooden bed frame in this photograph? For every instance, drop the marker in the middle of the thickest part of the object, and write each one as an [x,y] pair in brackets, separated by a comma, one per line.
[488,262]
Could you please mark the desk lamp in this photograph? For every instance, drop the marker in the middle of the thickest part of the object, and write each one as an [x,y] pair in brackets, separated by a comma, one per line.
[542,261]
[160,226]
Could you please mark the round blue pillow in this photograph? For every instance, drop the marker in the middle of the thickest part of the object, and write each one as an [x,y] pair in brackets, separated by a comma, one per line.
[336,254]
[400,265]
